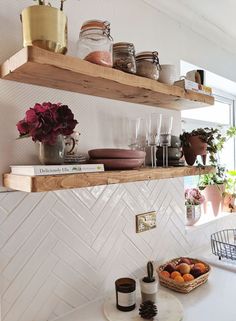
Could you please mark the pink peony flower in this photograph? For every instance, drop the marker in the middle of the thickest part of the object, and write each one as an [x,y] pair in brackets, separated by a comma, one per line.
[44,122]
[193,197]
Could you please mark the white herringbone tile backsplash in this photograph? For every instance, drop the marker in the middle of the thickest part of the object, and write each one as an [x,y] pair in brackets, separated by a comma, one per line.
[60,250]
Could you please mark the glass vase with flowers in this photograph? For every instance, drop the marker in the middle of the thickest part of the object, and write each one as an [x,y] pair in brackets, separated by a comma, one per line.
[48,123]
[193,201]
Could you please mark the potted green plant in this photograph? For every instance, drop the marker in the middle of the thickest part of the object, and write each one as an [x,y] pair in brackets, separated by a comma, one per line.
[45,27]
[213,185]
[200,142]
[230,191]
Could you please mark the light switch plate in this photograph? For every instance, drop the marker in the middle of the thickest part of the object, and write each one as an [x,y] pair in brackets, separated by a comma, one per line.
[145,221]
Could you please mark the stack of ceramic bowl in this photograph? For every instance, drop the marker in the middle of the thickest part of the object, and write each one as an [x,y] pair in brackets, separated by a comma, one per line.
[175,154]
[117,159]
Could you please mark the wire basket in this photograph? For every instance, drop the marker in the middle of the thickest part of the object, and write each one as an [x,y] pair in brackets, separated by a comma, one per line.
[223,244]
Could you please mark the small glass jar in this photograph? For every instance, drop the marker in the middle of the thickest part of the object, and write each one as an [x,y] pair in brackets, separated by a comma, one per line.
[124,57]
[148,66]
[125,294]
[95,43]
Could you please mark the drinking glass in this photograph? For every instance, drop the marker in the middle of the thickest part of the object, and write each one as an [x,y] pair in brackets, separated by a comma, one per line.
[165,136]
[137,133]
[141,134]
[153,133]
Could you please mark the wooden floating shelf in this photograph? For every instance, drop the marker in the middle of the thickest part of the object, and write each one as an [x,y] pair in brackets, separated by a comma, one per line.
[58,182]
[37,66]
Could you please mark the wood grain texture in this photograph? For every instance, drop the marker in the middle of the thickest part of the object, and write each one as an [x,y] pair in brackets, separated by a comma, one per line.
[58,182]
[37,66]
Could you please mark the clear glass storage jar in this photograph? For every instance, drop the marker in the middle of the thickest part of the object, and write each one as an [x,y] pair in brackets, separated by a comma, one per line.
[124,57]
[148,66]
[95,43]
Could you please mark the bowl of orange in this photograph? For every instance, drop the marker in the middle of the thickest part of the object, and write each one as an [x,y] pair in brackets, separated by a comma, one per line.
[183,274]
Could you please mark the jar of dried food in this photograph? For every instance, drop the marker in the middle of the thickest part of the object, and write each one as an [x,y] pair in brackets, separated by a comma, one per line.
[124,57]
[95,42]
[148,64]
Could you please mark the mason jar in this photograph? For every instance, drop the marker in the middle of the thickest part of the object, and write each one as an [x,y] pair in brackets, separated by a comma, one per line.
[148,66]
[95,43]
[124,57]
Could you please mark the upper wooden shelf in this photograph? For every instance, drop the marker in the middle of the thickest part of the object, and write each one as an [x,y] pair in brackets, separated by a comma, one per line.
[37,66]
[58,182]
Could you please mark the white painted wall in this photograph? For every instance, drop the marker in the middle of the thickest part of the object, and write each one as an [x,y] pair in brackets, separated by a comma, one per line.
[51,244]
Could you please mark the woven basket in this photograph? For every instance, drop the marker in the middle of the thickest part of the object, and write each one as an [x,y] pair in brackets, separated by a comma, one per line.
[185,287]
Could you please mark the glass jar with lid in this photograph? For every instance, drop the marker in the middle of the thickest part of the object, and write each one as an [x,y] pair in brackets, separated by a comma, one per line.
[95,43]
[124,57]
[148,66]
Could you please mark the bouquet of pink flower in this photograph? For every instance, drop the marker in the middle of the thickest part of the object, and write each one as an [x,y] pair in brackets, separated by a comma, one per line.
[44,122]
[193,197]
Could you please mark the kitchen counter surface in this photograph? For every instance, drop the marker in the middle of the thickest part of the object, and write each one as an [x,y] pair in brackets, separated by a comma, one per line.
[213,301]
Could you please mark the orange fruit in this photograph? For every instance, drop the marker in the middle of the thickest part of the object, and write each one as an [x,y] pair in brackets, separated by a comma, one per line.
[179,279]
[201,266]
[174,274]
[165,274]
[188,277]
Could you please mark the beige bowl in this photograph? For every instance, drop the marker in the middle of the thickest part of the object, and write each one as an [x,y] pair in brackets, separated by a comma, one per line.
[168,74]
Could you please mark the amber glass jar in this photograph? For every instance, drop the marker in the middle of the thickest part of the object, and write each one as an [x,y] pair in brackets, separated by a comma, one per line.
[124,57]
[125,294]
[95,43]
[148,66]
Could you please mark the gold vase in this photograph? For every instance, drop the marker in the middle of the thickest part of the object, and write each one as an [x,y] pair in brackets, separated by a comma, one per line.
[45,27]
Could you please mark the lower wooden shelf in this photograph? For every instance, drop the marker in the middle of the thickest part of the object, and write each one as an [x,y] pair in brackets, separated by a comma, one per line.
[58,182]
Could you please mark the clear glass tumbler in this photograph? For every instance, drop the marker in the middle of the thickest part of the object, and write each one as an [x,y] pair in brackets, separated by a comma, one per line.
[137,133]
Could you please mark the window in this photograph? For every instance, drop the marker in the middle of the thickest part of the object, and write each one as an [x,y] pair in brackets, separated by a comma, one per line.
[222,114]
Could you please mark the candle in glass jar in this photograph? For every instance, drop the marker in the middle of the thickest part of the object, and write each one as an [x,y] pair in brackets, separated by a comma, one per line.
[125,294]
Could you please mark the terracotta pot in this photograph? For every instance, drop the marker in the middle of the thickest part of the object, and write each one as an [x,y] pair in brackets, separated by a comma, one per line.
[229,203]
[213,194]
[189,155]
[197,147]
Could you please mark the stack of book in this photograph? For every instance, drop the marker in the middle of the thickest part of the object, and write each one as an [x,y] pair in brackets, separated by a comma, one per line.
[194,86]
[35,170]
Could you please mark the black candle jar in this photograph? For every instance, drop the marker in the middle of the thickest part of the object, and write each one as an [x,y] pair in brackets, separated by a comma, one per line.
[125,294]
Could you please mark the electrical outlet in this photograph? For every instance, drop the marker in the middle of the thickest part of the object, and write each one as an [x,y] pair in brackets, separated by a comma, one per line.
[145,221]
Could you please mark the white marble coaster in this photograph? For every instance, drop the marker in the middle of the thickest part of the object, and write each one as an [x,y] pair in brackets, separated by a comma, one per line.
[169,309]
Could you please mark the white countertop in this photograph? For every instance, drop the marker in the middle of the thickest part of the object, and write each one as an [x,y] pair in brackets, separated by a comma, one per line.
[213,301]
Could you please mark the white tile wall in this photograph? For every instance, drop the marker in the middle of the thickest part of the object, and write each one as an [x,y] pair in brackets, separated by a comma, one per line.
[60,250]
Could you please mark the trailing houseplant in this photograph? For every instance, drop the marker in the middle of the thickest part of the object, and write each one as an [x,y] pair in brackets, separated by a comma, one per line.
[210,140]
[45,26]
[213,185]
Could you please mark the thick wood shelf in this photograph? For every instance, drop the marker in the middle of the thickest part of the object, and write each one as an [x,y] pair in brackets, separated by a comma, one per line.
[37,66]
[57,182]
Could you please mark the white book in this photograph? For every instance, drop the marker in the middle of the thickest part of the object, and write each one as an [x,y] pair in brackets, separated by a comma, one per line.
[191,85]
[35,170]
